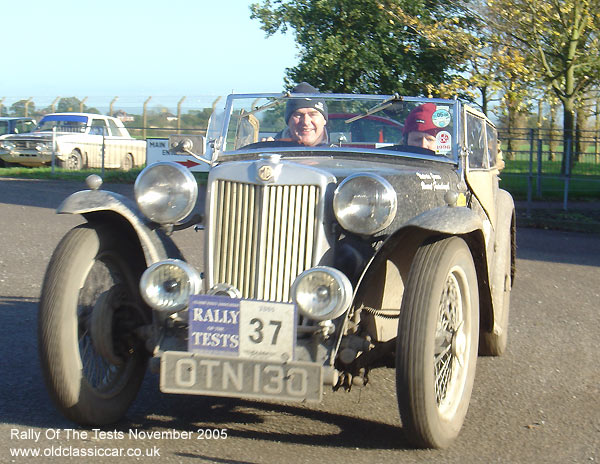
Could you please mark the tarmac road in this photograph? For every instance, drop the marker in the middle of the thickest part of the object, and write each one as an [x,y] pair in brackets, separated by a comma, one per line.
[537,404]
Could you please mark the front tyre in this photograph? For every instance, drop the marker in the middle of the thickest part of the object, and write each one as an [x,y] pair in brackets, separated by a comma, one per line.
[437,342]
[92,361]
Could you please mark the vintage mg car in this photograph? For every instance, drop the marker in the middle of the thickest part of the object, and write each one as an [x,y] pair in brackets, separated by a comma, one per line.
[77,140]
[322,261]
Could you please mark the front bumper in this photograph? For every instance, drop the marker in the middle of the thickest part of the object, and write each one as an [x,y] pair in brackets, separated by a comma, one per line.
[28,157]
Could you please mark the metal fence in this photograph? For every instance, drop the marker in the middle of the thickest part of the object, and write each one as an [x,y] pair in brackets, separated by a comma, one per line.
[539,165]
[543,165]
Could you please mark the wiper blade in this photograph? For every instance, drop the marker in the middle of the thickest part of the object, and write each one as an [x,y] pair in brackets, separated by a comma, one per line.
[377,108]
[275,102]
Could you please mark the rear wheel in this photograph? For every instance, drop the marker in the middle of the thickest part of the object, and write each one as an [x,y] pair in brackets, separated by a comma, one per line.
[93,363]
[74,161]
[127,162]
[437,342]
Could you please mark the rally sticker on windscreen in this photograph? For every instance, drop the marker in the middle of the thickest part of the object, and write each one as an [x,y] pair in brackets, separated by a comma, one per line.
[444,142]
[245,328]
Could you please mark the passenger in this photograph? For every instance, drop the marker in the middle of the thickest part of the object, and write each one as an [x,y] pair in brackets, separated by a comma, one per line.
[419,129]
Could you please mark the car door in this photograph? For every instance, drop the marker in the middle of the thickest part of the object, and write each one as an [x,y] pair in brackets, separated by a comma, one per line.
[98,131]
[119,145]
[481,173]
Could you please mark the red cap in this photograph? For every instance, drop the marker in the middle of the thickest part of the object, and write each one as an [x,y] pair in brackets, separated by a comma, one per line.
[420,119]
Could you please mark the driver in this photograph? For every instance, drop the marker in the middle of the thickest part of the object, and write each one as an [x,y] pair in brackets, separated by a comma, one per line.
[305,118]
[419,129]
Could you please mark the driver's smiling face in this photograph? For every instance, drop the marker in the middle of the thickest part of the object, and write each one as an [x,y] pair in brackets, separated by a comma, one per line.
[307,126]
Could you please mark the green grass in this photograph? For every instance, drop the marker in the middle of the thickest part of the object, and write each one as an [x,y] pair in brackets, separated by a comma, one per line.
[552,188]
[552,168]
[110,175]
[584,182]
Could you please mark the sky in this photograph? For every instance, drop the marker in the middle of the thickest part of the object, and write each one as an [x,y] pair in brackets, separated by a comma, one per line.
[133,49]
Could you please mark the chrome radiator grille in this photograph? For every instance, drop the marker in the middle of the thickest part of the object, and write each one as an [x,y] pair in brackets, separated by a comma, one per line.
[25,144]
[264,236]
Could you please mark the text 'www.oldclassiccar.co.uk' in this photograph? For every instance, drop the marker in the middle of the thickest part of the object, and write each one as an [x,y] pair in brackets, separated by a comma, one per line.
[99,443]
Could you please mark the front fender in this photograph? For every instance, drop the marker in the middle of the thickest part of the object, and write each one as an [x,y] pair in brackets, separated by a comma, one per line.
[444,220]
[505,238]
[155,246]
[448,220]
[381,284]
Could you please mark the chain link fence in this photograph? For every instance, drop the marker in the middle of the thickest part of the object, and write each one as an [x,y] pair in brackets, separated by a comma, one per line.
[539,165]
[542,164]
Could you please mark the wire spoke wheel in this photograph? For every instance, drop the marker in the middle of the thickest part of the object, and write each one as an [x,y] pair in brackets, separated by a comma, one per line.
[449,364]
[437,342]
[104,377]
[93,363]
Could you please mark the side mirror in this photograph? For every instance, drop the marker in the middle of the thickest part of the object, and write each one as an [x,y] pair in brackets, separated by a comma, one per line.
[194,145]
[184,144]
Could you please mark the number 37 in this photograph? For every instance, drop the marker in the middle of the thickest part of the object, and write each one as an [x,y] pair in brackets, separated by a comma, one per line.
[258,336]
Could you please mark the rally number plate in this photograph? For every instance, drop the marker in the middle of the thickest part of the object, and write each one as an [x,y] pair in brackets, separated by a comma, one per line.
[259,330]
[195,373]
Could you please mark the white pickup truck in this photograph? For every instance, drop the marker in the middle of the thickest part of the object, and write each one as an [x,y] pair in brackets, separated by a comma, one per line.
[77,140]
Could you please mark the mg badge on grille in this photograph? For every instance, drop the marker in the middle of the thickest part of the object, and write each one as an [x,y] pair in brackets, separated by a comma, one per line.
[265,173]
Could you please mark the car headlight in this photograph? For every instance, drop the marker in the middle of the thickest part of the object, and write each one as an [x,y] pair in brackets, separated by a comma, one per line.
[43,147]
[8,146]
[166,192]
[365,203]
[167,285]
[322,293]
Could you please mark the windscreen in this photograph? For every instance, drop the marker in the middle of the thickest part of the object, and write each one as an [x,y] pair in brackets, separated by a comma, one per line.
[355,123]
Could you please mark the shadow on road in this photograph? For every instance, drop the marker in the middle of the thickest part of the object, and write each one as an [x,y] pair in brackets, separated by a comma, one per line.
[23,397]
[341,431]
[24,400]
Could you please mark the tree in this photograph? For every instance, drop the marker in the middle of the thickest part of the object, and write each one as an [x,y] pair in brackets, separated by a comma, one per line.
[456,33]
[558,37]
[196,118]
[515,81]
[74,105]
[22,108]
[357,46]
[68,105]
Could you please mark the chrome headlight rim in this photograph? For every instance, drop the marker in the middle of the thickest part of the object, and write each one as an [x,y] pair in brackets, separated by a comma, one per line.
[8,145]
[344,296]
[188,186]
[193,277]
[44,147]
[366,228]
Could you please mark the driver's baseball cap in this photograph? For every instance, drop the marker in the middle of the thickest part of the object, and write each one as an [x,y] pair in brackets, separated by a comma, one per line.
[421,119]
[297,103]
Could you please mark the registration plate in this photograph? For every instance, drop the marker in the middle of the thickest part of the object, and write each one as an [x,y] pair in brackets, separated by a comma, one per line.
[195,373]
